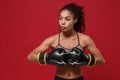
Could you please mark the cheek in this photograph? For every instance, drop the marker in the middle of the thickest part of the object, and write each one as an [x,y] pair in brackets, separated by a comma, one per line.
[59,22]
[70,23]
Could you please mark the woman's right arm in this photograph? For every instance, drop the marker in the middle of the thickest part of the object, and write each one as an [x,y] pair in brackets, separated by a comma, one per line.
[32,56]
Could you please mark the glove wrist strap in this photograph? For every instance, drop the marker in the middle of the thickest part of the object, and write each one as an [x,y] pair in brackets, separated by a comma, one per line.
[41,58]
[92,60]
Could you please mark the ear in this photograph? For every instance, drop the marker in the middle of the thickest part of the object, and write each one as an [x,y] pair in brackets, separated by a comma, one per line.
[75,20]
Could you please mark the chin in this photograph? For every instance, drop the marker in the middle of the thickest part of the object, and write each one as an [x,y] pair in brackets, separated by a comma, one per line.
[64,30]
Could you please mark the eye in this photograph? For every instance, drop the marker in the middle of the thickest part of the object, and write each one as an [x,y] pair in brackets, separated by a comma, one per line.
[60,18]
[67,19]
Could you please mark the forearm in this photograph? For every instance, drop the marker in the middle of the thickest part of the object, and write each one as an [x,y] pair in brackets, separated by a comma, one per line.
[99,61]
[32,57]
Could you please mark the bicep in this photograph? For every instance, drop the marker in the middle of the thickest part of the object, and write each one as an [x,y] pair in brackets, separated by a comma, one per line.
[32,56]
[42,47]
[95,51]
[92,47]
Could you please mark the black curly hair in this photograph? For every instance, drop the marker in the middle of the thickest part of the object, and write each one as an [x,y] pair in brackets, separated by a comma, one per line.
[79,14]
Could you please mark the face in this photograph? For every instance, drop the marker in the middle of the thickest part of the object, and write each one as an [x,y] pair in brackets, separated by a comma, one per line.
[66,20]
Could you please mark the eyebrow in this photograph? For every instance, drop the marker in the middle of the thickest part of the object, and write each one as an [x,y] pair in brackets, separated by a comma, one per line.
[64,17]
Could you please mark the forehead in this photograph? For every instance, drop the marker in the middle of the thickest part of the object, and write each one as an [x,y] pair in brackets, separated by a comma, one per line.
[66,13]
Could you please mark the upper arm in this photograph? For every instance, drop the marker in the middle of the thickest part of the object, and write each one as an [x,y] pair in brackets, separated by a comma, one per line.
[91,46]
[32,56]
[94,50]
[43,46]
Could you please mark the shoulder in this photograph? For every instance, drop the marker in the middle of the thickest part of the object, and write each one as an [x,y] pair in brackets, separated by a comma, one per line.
[87,40]
[84,37]
[51,39]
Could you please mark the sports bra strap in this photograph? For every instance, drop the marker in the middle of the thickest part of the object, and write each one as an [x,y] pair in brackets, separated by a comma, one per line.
[60,46]
[78,39]
[59,39]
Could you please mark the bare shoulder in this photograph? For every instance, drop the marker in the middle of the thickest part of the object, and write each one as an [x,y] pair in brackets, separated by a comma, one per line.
[50,39]
[84,37]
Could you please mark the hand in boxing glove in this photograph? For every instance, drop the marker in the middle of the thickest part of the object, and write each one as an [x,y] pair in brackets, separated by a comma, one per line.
[78,57]
[56,57]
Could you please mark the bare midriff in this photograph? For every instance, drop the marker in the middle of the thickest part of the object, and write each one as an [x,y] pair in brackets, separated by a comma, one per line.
[69,71]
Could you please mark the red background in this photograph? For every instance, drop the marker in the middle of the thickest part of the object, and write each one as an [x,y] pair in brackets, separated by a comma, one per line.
[24,24]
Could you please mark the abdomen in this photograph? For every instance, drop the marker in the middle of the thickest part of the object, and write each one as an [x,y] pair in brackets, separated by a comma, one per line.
[69,71]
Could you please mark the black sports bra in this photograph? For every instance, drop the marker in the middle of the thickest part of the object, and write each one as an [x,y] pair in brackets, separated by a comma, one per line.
[66,49]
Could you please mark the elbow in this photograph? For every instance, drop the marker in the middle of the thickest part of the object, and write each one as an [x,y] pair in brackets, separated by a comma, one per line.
[100,61]
[29,58]
[32,57]
[103,61]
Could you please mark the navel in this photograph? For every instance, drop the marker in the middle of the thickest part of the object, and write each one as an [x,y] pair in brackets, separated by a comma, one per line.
[69,74]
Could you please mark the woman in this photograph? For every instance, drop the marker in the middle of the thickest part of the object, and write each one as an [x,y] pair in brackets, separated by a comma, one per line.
[71,22]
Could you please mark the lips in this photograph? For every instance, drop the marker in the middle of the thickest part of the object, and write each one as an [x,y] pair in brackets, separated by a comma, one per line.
[63,27]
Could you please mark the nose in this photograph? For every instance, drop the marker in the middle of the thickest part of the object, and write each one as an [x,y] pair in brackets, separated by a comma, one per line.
[63,22]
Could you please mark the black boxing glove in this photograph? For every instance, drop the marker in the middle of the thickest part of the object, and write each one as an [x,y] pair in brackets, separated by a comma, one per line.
[56,57]
[78,57]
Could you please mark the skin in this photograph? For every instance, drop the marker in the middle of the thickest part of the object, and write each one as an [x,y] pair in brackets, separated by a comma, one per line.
[68,36]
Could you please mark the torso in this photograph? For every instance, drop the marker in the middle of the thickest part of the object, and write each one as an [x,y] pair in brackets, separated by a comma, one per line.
[68,71]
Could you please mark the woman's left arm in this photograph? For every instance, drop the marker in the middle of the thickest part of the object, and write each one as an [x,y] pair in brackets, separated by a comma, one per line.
[94,50]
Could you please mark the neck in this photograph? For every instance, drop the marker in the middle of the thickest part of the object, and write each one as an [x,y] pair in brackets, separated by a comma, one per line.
[68,34]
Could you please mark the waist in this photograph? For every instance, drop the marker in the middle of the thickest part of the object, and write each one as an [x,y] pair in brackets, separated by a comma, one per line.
[61,78]
[69,71]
